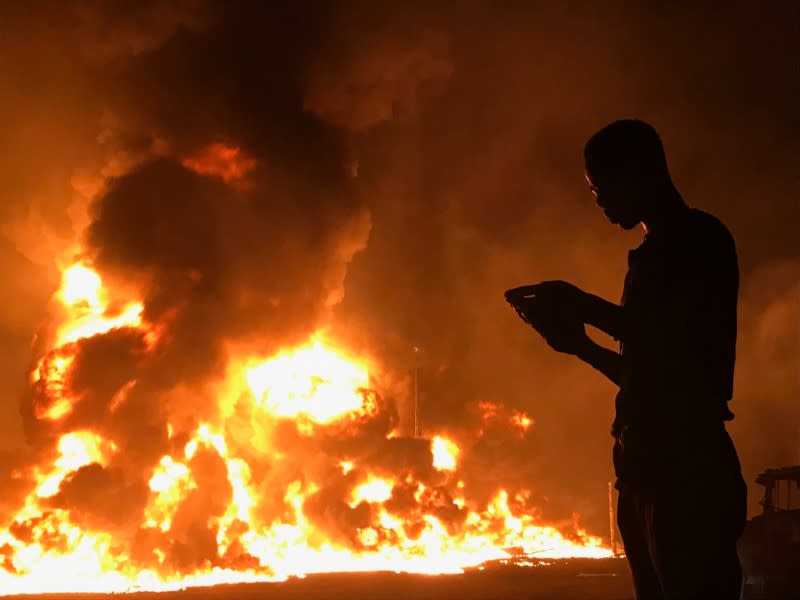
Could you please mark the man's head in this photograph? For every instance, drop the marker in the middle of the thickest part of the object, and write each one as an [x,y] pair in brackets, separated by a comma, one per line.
[626,166]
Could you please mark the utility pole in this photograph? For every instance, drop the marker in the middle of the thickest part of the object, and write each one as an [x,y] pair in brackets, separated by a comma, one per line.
[416,392]
[612,526]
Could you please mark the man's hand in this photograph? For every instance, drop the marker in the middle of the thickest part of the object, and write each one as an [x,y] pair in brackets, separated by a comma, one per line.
[561,330]
[551,298]
[566,336]
[558,310]
[569,298]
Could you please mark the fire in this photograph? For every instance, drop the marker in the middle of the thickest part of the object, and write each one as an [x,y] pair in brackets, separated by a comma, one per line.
[228,163]
[76,450]
[52,377]
[170,482]
[86,302]
[521,420]
[276,477]
[313,383]
[373,491]
[445,453]
[86,308]
[81,284]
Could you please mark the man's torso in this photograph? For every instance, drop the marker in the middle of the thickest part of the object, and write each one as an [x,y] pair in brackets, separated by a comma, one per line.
[678,352]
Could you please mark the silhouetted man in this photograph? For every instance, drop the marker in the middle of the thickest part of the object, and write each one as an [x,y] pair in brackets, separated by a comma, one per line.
[682,500]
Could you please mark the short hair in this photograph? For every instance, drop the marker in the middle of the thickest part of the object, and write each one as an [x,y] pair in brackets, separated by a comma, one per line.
[626,142]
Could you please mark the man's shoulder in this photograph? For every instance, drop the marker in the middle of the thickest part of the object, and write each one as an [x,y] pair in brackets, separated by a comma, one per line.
[709,233]
[710,249]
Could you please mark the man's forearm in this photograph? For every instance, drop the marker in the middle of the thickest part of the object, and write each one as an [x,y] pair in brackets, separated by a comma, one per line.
[606,316]
[608,362]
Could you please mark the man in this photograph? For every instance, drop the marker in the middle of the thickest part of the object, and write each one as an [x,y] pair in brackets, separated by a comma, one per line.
[682,501]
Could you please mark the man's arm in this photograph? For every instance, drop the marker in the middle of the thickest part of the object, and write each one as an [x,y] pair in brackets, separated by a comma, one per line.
[606,316]
[566,333]
[608,362]
[563,296]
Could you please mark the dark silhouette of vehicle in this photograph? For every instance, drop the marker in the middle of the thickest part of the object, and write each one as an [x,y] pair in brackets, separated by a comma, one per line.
[770,546]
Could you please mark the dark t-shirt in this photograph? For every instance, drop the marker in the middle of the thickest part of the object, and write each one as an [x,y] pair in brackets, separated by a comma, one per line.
[679,339]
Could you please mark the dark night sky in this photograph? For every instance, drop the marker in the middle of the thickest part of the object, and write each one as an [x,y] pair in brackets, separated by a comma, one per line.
[466,121]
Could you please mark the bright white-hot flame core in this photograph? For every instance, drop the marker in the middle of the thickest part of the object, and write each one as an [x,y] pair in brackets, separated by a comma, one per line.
[445,453]
[81,284]
[374,491]
[85,299]
[311,382]
[75,450]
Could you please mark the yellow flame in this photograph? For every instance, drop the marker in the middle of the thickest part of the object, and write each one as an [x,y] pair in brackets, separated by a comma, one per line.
[83,295]
[75,450]
[445,453]
[311,382]
[521,420]
[170,483]
[373,491]
[80,284]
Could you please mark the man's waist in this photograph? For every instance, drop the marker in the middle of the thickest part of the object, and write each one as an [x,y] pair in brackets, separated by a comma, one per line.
[671,419]
[652,384]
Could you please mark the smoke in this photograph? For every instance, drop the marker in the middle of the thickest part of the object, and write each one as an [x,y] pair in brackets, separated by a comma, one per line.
[487,183]
[259,171]
[767,388]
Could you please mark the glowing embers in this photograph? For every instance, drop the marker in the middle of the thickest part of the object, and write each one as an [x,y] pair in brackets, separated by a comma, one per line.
[521,420]
[50,381]
[313,382]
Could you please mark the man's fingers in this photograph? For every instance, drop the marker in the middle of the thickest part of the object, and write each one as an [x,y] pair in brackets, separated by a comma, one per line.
[549,286]
[544,287]
[560,289]
[518,293]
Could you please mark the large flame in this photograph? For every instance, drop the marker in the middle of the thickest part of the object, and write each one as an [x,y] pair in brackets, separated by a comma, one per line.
[84,298]
[280,434]
[311,383]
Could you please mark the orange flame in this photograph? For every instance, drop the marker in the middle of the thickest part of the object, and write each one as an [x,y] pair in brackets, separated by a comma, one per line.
[85,299]
[521,420]
[228,163]
[86,309]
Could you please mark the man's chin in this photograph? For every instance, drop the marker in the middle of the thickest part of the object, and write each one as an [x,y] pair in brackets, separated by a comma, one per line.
[623,223]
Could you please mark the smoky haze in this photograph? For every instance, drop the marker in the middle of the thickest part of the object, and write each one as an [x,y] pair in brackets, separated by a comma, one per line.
[410,162]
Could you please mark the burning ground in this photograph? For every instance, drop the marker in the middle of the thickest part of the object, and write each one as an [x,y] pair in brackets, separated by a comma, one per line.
[229,224]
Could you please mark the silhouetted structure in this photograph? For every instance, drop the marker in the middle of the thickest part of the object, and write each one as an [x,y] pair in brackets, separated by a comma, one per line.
[770,546]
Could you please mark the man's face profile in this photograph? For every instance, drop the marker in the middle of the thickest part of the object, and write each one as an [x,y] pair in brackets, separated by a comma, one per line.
[617,198]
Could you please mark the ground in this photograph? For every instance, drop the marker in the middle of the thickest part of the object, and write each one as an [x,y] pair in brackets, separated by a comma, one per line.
[562,580]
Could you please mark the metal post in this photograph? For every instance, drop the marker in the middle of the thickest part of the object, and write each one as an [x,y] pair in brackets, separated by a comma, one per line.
[611,524]
[416,392]
[766,503]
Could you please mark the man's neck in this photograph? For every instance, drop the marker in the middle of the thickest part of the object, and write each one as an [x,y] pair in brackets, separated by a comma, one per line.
[667,208]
